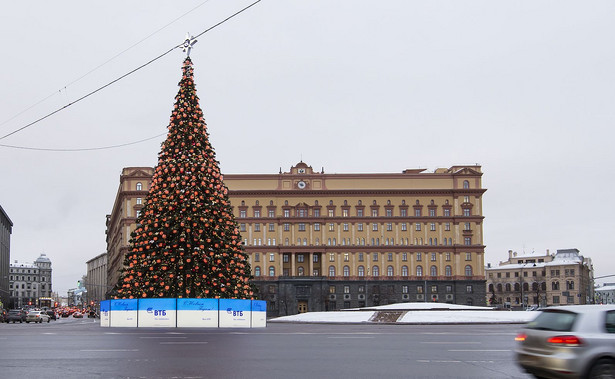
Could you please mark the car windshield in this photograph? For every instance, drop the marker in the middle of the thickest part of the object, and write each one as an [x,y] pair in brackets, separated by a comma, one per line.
[561,321]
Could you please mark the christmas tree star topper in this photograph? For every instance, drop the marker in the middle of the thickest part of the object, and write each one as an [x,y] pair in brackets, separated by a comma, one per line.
[188,43]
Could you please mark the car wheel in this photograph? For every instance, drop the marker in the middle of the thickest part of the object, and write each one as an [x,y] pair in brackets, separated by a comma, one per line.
[27,322]
[48,320]
[603,369]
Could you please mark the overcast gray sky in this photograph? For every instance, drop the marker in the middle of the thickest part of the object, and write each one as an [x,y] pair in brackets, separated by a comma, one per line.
[524,88]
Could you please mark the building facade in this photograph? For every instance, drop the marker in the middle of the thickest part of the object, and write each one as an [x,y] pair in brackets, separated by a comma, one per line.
[6,228]
[96,279]
[605,294]
[541,279]
[321,241]
[133,188]
[30,283]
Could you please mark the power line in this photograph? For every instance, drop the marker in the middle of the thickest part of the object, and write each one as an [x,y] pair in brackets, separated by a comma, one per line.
[107,61]
[125,75]
[82,149]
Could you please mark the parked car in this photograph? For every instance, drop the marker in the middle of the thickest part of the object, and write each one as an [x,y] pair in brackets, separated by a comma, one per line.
[77,315]
[37,316]
[16,315]
[575,341]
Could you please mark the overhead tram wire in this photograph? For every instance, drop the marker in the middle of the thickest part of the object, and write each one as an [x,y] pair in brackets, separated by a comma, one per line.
[121,77]
[82,149]
[106,62]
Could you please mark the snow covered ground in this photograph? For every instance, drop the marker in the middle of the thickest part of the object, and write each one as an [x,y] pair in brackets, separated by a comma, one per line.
[415,313]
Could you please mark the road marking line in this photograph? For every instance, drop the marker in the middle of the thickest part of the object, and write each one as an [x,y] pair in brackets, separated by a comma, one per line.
[454,342]
[98,350]
[479,350]
[349,337]
[184,343]
[164,337]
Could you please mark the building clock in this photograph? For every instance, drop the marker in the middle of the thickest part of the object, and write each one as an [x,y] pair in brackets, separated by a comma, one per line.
[301,171]
[301,184]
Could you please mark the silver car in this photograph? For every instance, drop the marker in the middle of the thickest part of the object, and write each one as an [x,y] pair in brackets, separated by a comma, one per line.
[575,341]
[37,316]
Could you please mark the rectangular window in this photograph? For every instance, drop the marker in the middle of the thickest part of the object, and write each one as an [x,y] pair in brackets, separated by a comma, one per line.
[555,299]
[271,213]
[257,227]
[467,241]
[242,214]
[432,212]
[449,288]
[344,212]
[139,200]
[272,227]
[331,227]
[404,227]
[419,257]
[375,257]
[316,212]
[466,227]
[331,257]
[468,256]
[331,289]
[302,212]
[447,212]
[286,227]
[404,257]
[434,289]
[286,212]
[346,228]
[374,212]
[346,257]
[271,257]
[419,289]
[390,257]
[361,289]
[331,213]
[433,257]
[447,226]
[447,257]
[432,226]
[301,227]
[257,257]
[389,212]
[316,227]
[389,227]
[360,227]
[404,289]
[375,227]
[300,258]
[469,289]
[466,212]
[242,227]
[417,212]
[286,258]
[346,289]
[257,213]
[360,257]
[359,212]
[315,258]
[418,227]
[403,212]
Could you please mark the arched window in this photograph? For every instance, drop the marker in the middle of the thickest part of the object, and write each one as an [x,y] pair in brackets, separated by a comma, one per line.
[543,286]
[346,271]
[286,242]
[404,270]
[517,287]
[433,271]
[373,242]
[298,241]
[419,270]
[448,271]
[499,287]
[300,271]
[329,242]
[257,271]
[139,186]
[390,271]
[526,287]
[334,242]
[508,287]
[331,270]
[375,271]
[555,286]
[317,241]
[468,270]
[271,271]
[305,242]
[466,184]
[361,271]
[535,286]
[491,289]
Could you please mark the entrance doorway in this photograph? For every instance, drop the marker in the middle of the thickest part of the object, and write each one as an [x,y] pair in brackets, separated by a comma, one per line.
[302,307]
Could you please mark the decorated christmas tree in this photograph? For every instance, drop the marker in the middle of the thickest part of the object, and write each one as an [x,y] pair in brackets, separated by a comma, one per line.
[186,243]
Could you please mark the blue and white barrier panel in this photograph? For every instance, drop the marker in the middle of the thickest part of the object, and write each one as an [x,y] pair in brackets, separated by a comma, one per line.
[105,308]
[195,313]
[123,313]
[259,314]
[157,312]
[235,313]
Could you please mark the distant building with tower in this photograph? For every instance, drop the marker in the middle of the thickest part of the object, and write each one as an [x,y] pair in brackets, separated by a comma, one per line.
[30,284]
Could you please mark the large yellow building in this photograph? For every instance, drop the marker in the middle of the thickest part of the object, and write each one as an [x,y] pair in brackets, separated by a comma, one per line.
[321,241]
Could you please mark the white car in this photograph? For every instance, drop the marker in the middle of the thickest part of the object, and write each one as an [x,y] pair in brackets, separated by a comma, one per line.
[575,341]
[37,316]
